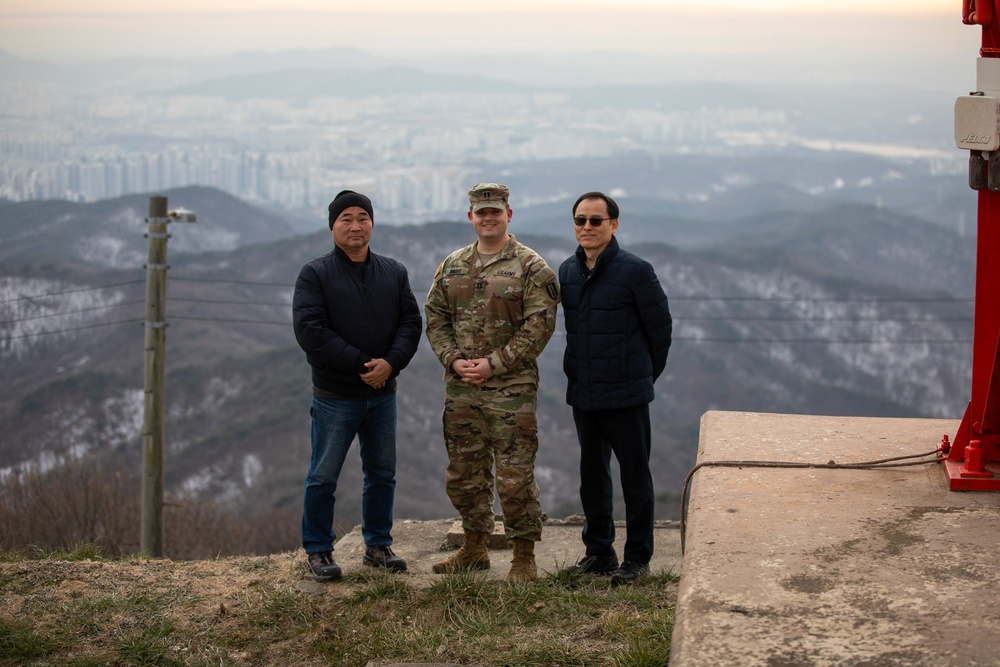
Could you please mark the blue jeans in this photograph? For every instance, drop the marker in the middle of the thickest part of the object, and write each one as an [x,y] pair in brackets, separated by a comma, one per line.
[335,423]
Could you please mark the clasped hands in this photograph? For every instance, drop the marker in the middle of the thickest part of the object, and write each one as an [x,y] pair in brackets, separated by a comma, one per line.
[378,373]
[473,371]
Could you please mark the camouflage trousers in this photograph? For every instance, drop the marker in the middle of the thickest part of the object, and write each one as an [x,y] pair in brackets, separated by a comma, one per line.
[483,426]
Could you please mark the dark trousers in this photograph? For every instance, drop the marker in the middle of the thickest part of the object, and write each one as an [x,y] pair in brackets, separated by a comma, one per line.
[625,432]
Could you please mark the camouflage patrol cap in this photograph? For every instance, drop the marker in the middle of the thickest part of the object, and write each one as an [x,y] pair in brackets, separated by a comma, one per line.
[488,195]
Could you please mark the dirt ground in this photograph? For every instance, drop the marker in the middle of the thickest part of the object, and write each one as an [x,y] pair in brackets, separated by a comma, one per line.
[421,543]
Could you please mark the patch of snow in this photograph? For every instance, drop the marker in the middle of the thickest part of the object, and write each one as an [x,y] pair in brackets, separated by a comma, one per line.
[109,251]
[36,311]
[124,416]
[201,238]
[252,469]
[198,483]
[219,391]
[75,365]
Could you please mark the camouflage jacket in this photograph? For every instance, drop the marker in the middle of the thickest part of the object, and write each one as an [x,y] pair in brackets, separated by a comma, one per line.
[504,311]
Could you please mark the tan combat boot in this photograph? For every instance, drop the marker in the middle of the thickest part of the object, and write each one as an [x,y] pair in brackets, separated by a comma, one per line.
[522,567]
[472,556]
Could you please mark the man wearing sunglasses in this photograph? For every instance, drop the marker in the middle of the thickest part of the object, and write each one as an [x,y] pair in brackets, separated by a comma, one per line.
[490,311]
[618,329]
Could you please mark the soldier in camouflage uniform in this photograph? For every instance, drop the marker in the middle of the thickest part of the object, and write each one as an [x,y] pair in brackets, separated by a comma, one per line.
[490,312]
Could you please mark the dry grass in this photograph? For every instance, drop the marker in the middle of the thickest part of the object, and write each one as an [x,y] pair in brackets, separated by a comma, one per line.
[78,609]
[73,592]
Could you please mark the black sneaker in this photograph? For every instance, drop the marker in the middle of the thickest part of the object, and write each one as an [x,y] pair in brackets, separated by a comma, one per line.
[596,565]
[383,557]
[628,572]
[322,567]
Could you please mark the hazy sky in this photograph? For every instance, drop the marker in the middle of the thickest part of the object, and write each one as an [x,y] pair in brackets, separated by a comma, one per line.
[72,30]
[102,6]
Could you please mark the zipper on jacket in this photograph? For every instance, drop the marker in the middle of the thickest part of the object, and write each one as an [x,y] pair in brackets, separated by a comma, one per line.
[368,312]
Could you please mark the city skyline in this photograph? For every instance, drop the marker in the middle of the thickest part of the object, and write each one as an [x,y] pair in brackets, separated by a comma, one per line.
[586,80]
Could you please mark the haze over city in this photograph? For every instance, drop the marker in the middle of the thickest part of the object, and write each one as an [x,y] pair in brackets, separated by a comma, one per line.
[81,119]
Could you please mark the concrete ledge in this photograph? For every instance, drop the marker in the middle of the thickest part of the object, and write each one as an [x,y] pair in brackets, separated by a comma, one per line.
[834,566]
[498,538]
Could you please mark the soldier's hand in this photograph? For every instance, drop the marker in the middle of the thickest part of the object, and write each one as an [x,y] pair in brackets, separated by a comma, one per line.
[481,368]
[467,371]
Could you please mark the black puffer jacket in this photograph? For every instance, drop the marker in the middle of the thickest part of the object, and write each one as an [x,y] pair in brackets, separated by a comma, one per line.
[618,329]
[345,316]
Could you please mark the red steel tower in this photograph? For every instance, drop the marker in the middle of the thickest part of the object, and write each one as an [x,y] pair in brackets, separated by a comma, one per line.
[973,461]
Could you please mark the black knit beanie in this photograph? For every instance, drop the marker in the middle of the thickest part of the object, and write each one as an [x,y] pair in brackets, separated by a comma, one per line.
[347,199]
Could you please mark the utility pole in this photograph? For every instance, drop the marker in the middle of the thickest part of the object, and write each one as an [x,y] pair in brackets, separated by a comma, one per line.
[154,372]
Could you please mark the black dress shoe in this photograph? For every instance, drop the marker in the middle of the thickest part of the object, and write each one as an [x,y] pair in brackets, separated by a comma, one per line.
[384,557]
[628,572]
[596,565]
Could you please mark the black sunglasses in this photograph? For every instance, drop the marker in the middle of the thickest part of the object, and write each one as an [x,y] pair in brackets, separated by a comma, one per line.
[594,222]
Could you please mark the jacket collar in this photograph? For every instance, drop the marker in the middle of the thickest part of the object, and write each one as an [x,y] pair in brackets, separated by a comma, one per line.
[344,257]
[603,258]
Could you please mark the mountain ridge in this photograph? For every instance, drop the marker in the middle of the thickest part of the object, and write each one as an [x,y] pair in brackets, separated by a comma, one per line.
[763,322]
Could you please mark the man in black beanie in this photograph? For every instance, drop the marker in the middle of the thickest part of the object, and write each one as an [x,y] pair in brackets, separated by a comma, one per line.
[358,322]
[346,199]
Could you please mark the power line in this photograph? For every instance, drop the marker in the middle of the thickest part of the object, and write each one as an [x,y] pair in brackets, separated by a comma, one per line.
[737,318]
[230,282]
[678,338]
[71,312]
[685,318]
[222,319]
[72,291]
[677,318]
[824,341]
[231,303]
[687,297]
[686,339]
[791,299]
[79,328]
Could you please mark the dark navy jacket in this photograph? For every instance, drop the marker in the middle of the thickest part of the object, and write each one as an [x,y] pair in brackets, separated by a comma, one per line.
[344,317]
[618,329]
